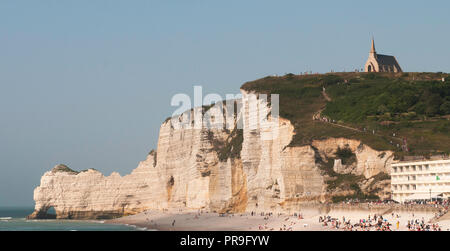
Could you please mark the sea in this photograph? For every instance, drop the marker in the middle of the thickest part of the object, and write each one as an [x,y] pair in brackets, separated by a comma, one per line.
[14,219]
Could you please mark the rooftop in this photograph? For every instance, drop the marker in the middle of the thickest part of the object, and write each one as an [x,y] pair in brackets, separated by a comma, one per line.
[421,159]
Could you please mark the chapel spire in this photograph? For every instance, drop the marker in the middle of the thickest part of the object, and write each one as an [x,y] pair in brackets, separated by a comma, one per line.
[372,50]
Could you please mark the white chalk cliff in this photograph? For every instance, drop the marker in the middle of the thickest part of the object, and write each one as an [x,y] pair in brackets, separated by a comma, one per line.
[214,169]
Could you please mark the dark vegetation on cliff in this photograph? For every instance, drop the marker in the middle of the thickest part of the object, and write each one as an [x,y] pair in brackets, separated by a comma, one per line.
[346,155]
[66,169]
[347,182]
[379,109]
[231,147]
[63,168]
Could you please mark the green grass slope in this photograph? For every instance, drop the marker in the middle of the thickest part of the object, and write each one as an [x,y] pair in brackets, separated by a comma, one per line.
[380,109]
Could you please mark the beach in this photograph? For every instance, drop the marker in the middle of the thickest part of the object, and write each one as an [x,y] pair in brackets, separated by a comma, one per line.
[196,220]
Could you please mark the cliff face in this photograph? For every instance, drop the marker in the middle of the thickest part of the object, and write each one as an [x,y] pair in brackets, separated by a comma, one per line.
[185,172]
[223,170]
[276,174]
[369,162]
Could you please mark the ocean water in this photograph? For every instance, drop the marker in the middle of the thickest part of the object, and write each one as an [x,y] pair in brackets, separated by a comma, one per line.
[14,219]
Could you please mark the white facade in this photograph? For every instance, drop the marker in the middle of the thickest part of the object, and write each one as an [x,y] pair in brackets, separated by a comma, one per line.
[420,180]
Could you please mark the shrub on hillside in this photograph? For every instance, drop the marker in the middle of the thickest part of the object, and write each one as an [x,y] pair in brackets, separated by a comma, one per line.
[346,155]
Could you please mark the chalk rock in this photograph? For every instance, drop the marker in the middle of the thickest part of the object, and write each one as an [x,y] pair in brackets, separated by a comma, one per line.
[252,168]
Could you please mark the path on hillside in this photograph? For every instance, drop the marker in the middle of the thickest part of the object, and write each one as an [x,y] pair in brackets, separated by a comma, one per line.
[325,95]
[318,117]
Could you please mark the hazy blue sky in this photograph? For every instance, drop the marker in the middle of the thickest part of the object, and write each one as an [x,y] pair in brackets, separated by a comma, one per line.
[88,83]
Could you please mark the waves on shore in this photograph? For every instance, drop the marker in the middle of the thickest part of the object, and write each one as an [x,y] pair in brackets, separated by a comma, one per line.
[14,219]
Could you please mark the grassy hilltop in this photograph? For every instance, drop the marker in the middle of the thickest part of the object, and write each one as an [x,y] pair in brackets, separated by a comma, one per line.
[380,109]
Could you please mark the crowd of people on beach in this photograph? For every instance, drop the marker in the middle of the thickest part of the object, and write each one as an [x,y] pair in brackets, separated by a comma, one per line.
[368,202]
[288,223]
[281,221]
[436,203]
[433,203]
[376,222]
[420,225]
[443,205]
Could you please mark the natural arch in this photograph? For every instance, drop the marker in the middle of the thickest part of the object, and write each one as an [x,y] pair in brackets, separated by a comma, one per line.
[48,213]
[44,212]
[51,211]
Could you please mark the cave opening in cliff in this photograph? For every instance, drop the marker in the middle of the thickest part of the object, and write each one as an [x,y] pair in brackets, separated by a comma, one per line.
[50,213]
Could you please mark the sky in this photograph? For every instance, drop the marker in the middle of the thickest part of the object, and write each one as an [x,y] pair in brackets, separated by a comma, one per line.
[88,83]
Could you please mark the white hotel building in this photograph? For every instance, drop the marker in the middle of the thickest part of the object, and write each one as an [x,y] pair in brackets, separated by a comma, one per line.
[418,180]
